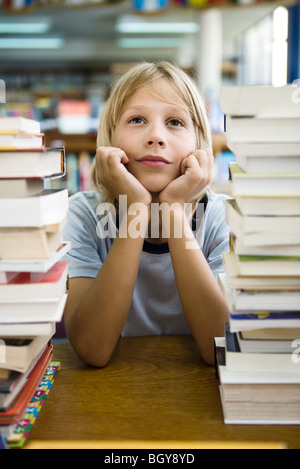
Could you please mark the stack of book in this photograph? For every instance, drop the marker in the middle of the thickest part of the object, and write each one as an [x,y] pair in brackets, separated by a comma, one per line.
[259,359]
[33,276]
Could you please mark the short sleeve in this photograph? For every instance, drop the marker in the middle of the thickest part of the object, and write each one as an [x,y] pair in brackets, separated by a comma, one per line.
[216,233]
[80,230]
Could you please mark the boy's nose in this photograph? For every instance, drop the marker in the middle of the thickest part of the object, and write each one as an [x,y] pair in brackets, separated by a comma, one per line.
[155,141]
[155,137]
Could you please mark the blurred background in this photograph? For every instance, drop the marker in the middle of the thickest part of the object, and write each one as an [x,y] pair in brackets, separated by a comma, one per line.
[58,59]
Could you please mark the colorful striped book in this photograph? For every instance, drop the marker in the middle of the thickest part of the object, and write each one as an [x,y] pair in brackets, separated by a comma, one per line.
[20,431]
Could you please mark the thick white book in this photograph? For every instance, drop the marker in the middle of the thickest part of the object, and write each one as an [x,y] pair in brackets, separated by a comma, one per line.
[258,300]
[265,100]
[252,282]
[262,129]
[260,266]
[268,204]
[21,141]
[243,224]
[48,162]
[19,123]
[32,329]
[20,351]
[20,187]
[268,150]
[267,157]
[272,250]
[35,265]
[254,362]
[47,208]
[32,311]
[271,184]
[256,397]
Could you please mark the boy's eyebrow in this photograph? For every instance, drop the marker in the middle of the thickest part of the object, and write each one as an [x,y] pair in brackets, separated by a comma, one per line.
[140,107]
[133,108]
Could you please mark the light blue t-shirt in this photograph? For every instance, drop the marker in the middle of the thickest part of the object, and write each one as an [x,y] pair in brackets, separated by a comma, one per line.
[155,308]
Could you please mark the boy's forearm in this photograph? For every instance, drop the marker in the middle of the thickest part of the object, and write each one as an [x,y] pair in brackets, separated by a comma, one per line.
[202,301]
[98,321]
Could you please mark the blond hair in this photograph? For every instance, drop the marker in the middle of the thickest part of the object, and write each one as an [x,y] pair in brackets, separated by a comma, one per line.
[140,75]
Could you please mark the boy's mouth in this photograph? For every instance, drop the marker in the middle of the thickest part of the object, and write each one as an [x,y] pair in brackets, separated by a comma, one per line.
[154,160]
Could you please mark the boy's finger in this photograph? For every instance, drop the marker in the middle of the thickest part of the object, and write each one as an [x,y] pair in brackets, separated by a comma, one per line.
[117,156]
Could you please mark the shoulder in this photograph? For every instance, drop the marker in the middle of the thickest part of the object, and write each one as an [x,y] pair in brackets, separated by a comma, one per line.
[82,213]
[212,205]
[210,219]
[83,205]
[81,230]
[215,211]
[214,236]
[216,200]
[85,201]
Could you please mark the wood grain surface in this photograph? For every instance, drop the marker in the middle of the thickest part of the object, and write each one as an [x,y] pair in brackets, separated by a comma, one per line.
[155,392]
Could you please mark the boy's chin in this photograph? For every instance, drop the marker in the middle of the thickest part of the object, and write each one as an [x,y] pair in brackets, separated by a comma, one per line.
[155,187]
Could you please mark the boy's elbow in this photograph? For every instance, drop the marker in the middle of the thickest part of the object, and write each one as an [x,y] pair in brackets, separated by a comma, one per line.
[97,362]
[209,360]
[207,352]
[90,358]
[92,355]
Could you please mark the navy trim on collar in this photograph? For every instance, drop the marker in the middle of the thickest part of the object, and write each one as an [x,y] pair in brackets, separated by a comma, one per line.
[155,248]
[163,248]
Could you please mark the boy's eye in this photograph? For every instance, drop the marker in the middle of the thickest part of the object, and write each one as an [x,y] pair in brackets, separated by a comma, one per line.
[136,120]
[175,122]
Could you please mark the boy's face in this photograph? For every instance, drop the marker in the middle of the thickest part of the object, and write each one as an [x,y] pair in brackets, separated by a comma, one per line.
[155,134]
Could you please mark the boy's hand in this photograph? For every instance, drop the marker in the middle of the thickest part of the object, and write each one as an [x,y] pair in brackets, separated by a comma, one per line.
[113,175]
[196,173]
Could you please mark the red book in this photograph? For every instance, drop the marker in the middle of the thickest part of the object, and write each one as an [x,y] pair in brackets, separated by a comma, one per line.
[17,408]
[36,285]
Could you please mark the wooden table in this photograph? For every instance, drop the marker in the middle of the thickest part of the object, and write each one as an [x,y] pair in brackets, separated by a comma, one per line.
[155,393]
